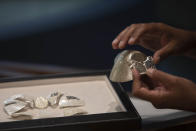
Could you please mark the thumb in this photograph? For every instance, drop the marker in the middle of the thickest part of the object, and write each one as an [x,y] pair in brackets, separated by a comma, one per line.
[163,52]
[136,78]
[142,92]
[164,78]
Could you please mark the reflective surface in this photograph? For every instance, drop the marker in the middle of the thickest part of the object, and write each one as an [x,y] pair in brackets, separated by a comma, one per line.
[125,61]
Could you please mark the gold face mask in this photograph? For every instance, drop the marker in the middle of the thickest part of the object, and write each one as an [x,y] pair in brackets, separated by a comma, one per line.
[125,61]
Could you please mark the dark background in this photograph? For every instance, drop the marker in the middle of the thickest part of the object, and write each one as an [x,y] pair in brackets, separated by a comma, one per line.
[78,33]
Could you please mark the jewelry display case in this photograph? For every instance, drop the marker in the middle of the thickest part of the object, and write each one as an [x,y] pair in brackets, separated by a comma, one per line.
[107,105]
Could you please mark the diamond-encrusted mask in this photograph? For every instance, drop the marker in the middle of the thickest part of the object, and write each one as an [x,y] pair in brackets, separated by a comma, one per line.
[125,61]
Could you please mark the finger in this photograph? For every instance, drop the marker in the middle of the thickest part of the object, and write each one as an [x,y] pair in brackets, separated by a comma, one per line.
[136,82]
[141,30]
[136,78]
[149,41]
[159,76]
[126,36]
[163,52]
[143,92]
[148,82]
[149,95]
[116,41]
[136,36]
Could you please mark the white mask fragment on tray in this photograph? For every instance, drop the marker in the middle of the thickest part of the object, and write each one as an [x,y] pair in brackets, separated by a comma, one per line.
[70,101]
[15,107]
[41,102]
[22,115]
[125,61]
[74,111]
[20,97]
[54,98]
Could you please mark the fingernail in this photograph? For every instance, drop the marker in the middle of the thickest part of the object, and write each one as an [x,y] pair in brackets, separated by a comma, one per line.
[114,47]
[134,71]
[115,41]
[150,71]
[131,40]
[121,44]
[156,59]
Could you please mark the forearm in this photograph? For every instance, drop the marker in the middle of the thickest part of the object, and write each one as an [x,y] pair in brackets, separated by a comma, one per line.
[191,100]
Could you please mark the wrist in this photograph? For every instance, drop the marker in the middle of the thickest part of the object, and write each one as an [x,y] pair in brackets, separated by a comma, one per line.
[191,45]
[191,99]
[192,39]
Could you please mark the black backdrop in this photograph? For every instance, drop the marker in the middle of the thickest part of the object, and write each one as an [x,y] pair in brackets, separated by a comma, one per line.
[86,43]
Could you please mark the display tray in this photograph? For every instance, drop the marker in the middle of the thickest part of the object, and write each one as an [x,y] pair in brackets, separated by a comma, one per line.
[107,104]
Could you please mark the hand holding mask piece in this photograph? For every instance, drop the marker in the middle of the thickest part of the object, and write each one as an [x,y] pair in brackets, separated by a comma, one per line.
[125,61]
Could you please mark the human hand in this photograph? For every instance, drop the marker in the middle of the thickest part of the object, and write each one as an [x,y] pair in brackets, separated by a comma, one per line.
[167,91]
[161,38]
